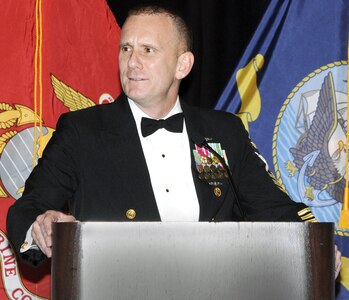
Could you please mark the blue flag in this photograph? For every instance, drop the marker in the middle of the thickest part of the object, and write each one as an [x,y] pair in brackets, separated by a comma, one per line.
[290,89]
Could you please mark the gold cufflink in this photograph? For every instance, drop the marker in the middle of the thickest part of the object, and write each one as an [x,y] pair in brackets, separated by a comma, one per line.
[131,214]
[24,245]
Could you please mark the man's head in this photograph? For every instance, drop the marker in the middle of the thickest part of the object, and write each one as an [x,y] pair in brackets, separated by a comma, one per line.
[154,57]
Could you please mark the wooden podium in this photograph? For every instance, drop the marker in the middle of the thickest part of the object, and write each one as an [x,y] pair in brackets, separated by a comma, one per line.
[194,261]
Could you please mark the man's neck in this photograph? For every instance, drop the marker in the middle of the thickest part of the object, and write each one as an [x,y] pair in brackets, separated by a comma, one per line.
[158,111]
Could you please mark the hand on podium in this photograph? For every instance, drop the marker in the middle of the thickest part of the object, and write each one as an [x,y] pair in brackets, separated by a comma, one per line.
[42,229]
[338,262]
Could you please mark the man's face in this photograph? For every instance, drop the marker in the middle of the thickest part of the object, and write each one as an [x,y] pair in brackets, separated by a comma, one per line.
[148,60]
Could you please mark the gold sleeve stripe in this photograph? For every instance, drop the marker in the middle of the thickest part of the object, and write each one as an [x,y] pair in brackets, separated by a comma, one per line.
[304,211]
[306,215]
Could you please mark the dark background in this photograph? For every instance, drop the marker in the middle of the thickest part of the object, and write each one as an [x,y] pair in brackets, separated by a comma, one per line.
[221,31]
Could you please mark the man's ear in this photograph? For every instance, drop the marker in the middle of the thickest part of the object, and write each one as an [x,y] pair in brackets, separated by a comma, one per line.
[184,64]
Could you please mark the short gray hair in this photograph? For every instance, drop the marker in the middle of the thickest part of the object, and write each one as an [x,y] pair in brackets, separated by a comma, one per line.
[179,22]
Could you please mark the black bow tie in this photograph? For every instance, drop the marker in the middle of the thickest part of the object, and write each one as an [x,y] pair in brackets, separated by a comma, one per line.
[173,124]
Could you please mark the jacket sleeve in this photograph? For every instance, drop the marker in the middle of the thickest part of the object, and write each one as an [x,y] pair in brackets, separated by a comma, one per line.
[50,185]
[262,197]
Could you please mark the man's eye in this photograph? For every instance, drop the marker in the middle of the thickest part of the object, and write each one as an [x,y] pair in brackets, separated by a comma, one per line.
[148,50]
[125,49]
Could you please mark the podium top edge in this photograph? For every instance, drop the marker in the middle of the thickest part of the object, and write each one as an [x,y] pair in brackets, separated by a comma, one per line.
[197,224]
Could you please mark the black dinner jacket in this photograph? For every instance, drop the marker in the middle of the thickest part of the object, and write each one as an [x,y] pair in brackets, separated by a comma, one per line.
[94,167]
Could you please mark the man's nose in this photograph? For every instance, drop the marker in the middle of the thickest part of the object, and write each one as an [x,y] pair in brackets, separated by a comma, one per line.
[134,61]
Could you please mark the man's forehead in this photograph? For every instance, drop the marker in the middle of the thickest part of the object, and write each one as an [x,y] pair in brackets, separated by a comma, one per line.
[147,27]
[157,23]
[148,18]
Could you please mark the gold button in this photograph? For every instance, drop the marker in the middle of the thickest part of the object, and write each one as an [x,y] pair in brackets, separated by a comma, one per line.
[131,214]
[24,245]
[217,191]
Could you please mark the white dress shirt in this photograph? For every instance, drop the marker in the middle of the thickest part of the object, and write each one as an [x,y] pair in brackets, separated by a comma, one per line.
[168,159]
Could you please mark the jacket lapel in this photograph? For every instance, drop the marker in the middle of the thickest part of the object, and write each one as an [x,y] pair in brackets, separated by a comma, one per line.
[124,148]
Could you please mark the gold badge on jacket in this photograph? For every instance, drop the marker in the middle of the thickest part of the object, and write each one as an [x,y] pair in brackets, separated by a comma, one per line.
[209,167]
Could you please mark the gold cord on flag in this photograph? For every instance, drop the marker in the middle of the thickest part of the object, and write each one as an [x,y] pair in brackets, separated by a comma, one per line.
[37,77]
[344,217]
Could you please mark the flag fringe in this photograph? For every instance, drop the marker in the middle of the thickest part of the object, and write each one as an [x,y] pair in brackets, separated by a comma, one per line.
[344,217]
[344,220]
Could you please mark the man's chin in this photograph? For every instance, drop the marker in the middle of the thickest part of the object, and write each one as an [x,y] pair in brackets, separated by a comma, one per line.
[136,97]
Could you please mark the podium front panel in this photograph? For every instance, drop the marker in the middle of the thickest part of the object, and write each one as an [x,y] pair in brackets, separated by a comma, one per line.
[154,260]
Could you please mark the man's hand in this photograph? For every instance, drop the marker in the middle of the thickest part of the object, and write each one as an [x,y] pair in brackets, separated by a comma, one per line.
[338,262]
[42,229]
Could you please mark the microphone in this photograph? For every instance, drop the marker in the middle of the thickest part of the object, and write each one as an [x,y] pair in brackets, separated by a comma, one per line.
[203,143]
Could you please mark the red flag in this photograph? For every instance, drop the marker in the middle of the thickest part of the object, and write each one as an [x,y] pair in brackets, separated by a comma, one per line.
[55,56]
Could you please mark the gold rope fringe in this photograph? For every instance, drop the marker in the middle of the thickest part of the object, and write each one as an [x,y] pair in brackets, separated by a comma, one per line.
[37,77]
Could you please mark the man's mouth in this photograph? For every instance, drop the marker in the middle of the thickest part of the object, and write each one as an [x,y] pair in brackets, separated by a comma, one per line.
[135,79]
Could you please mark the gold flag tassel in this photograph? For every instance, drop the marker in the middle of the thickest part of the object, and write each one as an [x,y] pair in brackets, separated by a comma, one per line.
[344,217]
